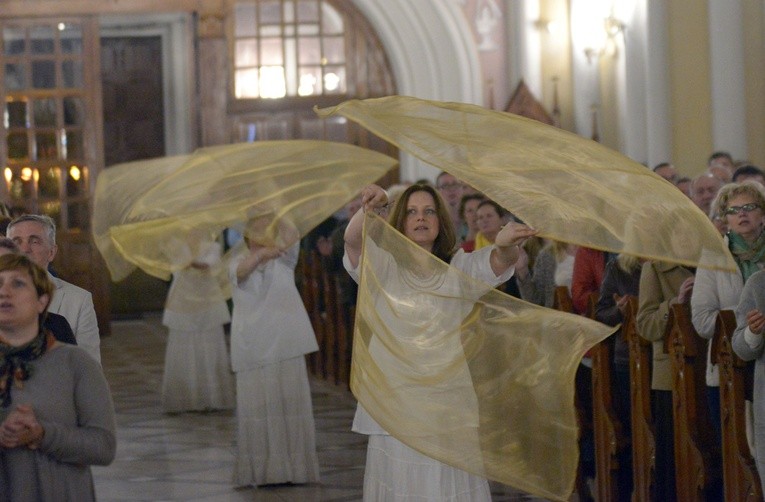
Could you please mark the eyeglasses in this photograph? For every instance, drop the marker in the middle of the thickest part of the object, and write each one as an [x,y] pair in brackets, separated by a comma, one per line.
[450,186]
[746,208]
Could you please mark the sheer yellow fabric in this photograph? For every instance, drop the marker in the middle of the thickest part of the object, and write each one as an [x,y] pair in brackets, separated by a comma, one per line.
[464,373]
[570,188]
[140,206]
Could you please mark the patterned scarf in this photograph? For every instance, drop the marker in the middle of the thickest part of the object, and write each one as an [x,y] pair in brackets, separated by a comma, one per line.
[748,256]
[14,363]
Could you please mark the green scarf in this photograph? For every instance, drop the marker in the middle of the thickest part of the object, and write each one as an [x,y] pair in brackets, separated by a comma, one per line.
[748,256]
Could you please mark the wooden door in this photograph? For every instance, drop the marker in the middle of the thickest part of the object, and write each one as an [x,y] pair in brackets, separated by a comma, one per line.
[133,111]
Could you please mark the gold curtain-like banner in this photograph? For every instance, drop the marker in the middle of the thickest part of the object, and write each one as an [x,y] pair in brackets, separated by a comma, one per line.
[465,373]
[570,188]
[148,213]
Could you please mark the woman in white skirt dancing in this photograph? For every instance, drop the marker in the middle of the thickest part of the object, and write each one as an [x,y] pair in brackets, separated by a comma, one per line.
[395,472]
[270,335]
[197,374]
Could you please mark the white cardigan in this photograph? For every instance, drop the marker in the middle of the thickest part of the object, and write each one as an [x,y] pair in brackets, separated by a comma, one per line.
[713,291]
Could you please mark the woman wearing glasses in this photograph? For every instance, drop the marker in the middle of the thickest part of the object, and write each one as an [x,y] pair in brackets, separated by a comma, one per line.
[741,205]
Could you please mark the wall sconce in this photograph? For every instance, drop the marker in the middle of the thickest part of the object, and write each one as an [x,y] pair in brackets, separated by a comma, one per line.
[604,42]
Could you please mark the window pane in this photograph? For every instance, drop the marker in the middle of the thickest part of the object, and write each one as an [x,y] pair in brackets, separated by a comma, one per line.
[271,52]
[45,144]
[246,53]
[72,145]
[331,20]
[309,51]
[52,209]
[307,11]
[48,185]
[334,50]
[76,184]
[13,38]
[272,82]
[310,81]
[74,111]
[270,13]
[71,38]
[43,74]
[289,11]
[334,80]
[244,20]
[42,39]
[72,73]
[44,112]
[274,30]
[18,148]
[308,29]
[78,215]
[22,187]
[247,83]
[14,77]
[16,114]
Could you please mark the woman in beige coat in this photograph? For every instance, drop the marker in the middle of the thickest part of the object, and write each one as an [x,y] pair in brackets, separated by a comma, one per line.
[661,286]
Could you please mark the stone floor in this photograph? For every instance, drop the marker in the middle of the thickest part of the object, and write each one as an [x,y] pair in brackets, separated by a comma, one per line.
[190,456]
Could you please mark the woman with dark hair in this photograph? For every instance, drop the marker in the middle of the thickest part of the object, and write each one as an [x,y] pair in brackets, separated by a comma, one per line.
[56,412]
[393,470]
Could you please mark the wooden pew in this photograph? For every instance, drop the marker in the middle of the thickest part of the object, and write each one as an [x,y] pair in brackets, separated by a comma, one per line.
[562,301]
[607,428]
[697,456]
[643,441]
[736,377]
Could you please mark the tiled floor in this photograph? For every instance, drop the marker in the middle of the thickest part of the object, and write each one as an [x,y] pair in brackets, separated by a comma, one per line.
[191,456]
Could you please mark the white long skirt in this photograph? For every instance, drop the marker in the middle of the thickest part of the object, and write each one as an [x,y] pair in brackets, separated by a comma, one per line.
[395,472]
[276,437]
[197,372]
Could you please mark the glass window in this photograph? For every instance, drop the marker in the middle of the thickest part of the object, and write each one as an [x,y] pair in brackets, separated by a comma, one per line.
[15,80]
[44,112]
[45,146]
[49,182]
[43,74]
[14,40]
[42,38]
[72,74]
[74,111]
[18,148]
[71,38]
[286,42]
[16,114]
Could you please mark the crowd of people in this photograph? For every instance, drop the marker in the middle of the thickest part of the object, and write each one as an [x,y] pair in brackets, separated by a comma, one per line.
[731,194]
[56,414]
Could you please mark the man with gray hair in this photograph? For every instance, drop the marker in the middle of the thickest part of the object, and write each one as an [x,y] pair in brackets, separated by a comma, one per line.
[36,237]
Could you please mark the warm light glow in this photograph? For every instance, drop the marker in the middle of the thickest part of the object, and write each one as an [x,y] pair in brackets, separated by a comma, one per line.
[26,173]
[331,81]
[272,84]
[61,26]
[8,175]
[74,173]
[36,175]
[307,83]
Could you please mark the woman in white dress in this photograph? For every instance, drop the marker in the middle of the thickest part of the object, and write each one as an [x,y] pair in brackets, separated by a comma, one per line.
[270,335]
[197,374]
[393,470]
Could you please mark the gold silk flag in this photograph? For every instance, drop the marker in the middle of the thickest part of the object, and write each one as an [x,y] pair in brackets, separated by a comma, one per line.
[148,213]
[568,187]
[464,373]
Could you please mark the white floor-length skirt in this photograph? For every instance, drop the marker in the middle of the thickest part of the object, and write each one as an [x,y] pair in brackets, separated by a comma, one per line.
[197,372]
[395,472]
[276,436]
